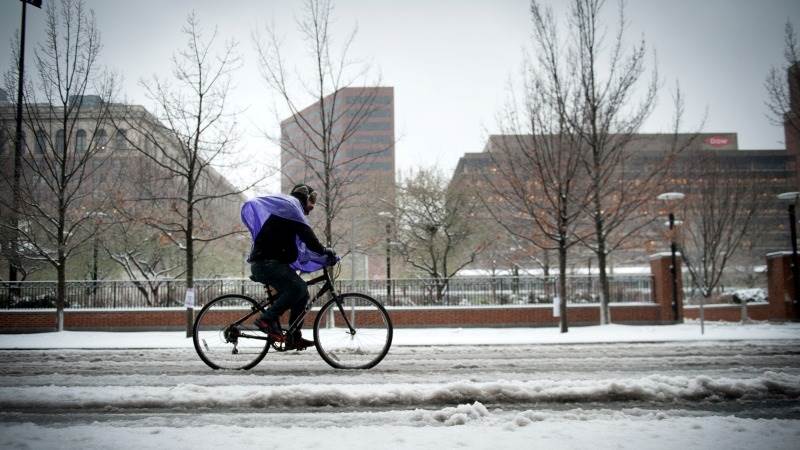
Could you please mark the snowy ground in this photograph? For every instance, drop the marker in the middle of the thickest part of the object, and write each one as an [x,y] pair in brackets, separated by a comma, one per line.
[597,387]
[475,428]
[714,331]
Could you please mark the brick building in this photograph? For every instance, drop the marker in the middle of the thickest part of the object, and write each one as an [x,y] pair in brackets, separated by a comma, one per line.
[358,128]
[771,171]
[791,122]
[117,171]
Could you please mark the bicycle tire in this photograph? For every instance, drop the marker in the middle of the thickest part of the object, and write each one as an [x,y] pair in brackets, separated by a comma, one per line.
[212,343]
[363,349]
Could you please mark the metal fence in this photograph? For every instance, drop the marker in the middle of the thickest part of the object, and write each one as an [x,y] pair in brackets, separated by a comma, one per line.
[466,291]
[474,291]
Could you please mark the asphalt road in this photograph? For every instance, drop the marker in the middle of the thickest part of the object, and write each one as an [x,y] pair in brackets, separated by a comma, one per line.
[85,386]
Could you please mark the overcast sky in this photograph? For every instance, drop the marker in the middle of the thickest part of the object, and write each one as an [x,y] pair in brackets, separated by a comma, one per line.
[450,60]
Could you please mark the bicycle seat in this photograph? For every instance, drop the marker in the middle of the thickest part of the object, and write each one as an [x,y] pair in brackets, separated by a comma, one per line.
[270,290]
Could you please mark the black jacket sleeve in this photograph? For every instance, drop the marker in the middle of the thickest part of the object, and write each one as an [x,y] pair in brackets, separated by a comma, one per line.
[307,235]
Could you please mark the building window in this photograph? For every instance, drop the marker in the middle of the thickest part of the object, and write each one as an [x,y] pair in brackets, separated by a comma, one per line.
[8,144]
[102,139]
[60,141]
[41,142]
[375,126]
[121,141]
[80,141]
[368,99]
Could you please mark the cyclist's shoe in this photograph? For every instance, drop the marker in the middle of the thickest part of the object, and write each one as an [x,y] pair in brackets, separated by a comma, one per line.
[298,343]
[272,328]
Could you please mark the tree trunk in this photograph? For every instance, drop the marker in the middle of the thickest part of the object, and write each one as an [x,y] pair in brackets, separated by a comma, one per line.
[546,266]
[328,215]
[440,286]
[601,254]
[190,263]
[61,293]
[744,316]
[562,286]
[605,291]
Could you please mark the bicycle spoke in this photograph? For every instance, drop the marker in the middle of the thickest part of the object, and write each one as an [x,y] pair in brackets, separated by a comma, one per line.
[364,346]
[222,336]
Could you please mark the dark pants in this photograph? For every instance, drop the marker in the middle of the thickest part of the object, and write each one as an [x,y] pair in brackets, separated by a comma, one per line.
[292,290]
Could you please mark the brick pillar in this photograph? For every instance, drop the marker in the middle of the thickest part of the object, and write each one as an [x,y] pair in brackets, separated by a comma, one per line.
[780,286]
[662,286]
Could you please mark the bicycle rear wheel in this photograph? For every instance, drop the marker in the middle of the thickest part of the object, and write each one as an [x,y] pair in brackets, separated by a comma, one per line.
[353,331]
[224,336]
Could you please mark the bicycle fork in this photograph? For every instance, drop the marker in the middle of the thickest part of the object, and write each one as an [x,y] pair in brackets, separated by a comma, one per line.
[348,322]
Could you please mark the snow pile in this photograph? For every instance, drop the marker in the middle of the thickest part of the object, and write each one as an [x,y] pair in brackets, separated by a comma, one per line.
[459,415]
[758,295]
[654,388]
[710,432]
[528,417]
[714,331]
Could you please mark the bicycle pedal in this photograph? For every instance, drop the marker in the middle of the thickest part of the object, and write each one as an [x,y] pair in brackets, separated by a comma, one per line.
[277,345]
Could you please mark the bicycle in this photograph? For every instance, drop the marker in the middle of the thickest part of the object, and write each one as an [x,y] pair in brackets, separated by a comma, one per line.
[351,331]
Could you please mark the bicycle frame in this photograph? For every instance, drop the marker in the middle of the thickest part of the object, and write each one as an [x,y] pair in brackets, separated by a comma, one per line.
[326,287]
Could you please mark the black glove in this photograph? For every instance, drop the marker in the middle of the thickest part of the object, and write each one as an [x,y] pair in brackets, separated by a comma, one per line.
[331,254]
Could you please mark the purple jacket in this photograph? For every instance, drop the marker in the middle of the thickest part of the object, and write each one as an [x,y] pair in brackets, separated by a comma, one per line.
[256,211]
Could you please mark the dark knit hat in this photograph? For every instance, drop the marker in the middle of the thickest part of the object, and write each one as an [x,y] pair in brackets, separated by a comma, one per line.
[304,192]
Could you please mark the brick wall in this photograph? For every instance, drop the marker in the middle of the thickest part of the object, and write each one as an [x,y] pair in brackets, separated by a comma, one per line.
[174,318]
[659,312]
[780,286]
[118,320]
[21,321]
[728,313]
[660,267]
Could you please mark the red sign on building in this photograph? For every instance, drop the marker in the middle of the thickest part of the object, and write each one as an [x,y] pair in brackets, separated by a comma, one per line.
[717,141]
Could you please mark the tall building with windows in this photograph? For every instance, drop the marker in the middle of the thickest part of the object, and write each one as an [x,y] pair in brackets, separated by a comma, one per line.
[769,172]
[343,146]
[116,176]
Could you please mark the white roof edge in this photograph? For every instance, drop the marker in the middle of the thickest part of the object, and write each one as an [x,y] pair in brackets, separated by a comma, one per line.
[777,254]
[663,254]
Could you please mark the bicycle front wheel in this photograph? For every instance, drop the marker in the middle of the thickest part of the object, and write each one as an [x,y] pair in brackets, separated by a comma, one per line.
[224,335]
[353,331]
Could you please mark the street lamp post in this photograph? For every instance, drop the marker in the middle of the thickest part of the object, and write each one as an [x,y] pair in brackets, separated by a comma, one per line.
[792,198]
[388,216]
[668,197]
[14,266]
[389,262]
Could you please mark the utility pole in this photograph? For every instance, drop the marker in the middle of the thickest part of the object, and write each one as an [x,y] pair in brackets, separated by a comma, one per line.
[792,198]
[14,265]
[389,217]
[388,263]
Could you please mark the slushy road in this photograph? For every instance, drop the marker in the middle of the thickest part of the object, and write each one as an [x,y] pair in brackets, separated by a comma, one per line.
[753,380]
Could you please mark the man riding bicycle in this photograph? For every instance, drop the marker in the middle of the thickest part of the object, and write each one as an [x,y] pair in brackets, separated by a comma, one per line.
[284,242]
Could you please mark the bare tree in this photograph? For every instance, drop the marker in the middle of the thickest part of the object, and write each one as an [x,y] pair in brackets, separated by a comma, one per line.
[317,136]
[536,180]
[60,192]
[537,160]
[144,256]
[717,216]
[435,227]
[505,251]
[192,131]
[609,100]
[783,99]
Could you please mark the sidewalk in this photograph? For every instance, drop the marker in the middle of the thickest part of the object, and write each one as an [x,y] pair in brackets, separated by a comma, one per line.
[714,331]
